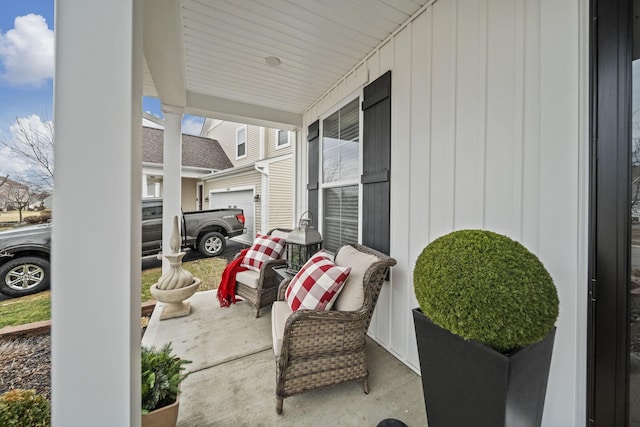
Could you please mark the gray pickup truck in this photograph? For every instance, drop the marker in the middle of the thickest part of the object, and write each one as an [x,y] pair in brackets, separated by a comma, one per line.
[24,251]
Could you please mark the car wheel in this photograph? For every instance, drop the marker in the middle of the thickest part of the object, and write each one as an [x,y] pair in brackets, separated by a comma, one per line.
[212,244]
[24,276]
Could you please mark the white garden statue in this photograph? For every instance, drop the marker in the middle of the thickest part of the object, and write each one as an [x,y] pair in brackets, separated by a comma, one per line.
[177,284]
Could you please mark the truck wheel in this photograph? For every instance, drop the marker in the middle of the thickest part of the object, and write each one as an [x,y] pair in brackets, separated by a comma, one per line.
[212,244]
[24,276]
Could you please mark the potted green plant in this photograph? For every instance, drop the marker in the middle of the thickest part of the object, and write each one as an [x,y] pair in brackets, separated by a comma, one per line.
[485,330]
[162,373]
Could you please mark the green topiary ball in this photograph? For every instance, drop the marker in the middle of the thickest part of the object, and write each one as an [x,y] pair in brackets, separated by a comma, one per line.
[486,287]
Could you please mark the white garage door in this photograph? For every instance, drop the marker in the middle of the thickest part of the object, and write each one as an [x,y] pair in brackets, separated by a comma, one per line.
[239,200]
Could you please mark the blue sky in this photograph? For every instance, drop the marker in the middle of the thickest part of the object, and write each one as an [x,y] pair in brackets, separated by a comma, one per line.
[20,98]
[26,71]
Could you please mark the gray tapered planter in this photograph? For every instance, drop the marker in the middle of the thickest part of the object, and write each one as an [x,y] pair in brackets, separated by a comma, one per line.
[466,383]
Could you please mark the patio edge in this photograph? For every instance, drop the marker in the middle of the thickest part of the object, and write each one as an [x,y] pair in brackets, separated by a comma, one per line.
[44,326]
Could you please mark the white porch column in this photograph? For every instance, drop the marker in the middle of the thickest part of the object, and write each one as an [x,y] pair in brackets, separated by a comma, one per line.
[96,258]
[171,180]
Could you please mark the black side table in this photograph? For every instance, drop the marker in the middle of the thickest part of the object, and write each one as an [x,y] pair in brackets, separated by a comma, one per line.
[282,272]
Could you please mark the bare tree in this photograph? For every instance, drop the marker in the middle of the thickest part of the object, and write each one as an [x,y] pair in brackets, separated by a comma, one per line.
[32,142]
[20,196]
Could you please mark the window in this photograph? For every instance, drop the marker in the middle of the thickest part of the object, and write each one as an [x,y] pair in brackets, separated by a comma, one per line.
[241,142]
[340,168]
[282,139]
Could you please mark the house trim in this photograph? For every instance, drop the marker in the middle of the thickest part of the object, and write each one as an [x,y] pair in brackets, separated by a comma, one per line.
[186,171]
[200,195]
[228,189]
[608,365]
[355,95]
[230,171]
[245,142]
[287,144]
[265,162]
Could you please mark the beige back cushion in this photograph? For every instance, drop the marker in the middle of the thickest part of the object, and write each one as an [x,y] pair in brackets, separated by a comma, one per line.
[352,295]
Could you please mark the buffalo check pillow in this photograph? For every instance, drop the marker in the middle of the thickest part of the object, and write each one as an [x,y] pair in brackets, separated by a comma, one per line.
[317,285]
[264,248]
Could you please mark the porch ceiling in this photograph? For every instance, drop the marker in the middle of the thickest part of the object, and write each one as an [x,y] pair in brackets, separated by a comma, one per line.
[209,55]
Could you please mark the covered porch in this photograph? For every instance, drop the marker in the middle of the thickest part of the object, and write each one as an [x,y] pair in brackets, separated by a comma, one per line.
[488,128]
[233,375]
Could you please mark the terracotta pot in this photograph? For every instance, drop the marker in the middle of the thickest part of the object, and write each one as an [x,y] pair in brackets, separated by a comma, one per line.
[167,416]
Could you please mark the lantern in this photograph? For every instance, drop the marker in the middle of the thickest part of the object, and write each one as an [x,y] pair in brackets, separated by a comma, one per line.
[302,243]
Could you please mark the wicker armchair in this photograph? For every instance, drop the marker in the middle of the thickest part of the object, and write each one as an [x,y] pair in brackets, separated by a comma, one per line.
[260,289]
[317,349]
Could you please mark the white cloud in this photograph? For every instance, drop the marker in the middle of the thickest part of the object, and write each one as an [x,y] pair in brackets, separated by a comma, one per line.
[192,125]
[27,51]
[11,165]
[33,124]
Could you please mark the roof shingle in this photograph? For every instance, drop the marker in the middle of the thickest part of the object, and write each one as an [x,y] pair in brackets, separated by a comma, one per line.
[197,151]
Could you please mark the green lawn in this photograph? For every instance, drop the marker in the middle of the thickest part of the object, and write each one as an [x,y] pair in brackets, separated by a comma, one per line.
[34,308]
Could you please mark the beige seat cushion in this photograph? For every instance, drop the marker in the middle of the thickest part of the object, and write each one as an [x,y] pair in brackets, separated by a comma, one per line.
[249,278]
[280,312]
[352,296]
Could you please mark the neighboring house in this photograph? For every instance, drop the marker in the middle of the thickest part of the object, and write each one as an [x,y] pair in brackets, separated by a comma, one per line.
[261,179]
[6,189]
[200,157]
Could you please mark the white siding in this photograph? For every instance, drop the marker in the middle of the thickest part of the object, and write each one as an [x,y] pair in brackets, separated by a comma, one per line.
[225,134]
[270,144]
[281,194]
[488,131]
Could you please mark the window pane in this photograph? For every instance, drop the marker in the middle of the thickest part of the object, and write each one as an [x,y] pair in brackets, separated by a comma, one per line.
[340,144]
[241,140]
[340,217]
[283,138]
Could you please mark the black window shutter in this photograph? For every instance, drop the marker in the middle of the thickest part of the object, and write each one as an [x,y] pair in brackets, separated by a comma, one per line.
[376,164]
[312,181]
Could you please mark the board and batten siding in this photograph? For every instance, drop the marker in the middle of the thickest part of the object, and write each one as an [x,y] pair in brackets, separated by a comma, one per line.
[281,194]
[489,130]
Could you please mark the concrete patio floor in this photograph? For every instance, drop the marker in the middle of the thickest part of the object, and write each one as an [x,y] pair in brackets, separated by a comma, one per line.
[233,375]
